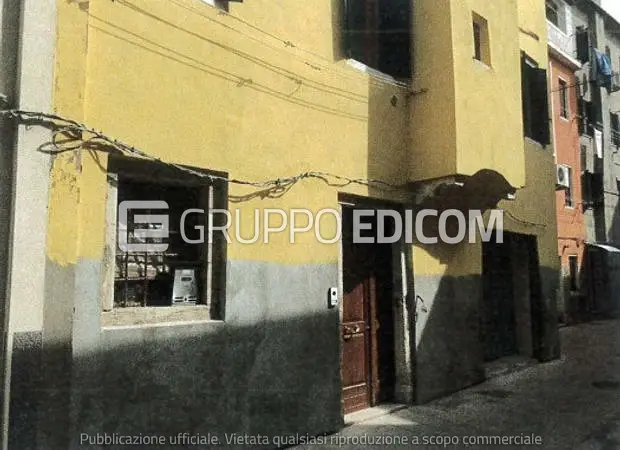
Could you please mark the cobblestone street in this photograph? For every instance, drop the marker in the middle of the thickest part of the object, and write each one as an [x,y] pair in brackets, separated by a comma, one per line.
[572,403]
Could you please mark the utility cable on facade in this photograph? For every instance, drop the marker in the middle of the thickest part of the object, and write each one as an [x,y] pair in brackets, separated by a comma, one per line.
[76,131]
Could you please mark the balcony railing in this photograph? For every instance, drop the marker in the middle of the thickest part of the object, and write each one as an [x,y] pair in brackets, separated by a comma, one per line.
[564,42]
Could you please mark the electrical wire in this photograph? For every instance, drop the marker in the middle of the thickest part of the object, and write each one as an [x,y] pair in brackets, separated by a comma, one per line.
[327,64]
[77,132]
[85,137]
[262,62]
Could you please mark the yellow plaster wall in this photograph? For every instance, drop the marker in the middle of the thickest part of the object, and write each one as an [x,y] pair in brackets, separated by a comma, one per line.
[188,84]
[488,104]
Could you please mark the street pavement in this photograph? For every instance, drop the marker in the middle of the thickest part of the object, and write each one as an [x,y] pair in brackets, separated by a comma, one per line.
[571,403]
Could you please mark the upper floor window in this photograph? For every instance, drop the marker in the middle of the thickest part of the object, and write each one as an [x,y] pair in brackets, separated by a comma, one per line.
[615,128]
[568,192]
[378,33]
[482,47]
[564,98]
[556,14]
[582,37]
[535,101]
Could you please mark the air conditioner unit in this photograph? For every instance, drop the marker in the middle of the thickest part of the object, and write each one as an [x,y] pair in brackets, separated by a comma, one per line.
[562,177]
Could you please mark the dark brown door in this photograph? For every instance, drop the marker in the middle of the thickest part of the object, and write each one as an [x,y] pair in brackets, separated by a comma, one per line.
[355,347]
[367,323]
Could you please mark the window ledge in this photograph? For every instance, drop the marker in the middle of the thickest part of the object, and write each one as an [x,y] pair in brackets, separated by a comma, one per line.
[156,316]
[557,28]
[375,73]
[482,64]
[532,141]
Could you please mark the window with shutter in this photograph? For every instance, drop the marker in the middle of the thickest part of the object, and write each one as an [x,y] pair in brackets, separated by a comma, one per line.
[568,192]
[584,156]
[615,129]
[592,117]
[564,98]
[586,189]
[582,120]
[597,191]
[525,94]
[583,44]
[540,106]
[535,101]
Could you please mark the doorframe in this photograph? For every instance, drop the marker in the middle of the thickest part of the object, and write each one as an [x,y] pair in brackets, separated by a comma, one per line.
[402,293]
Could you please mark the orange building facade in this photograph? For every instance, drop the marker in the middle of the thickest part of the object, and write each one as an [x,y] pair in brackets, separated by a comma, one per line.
[569,199]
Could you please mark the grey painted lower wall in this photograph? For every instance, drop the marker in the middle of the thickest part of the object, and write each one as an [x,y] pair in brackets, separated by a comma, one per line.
[272,368]
[25,390]
[449,355]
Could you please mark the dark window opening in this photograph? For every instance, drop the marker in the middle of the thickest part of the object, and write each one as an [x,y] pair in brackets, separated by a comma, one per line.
[573,273]
[182,266]
[535,101]
[615,129]
[564,101]
[477,41]
[568,192]
[586,189]
[592,190]
[592,117]
[584,157]
[583,44]
[378,33]
[482,49]
[582,120]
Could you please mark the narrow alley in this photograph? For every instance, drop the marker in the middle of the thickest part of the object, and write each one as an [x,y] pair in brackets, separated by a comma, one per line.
[571,403]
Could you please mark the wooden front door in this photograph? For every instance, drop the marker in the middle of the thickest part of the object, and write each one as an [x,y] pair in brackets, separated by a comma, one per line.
[367,356]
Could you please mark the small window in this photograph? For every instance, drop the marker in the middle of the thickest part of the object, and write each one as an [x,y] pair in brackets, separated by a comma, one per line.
[573,269]
[482,49]
[568,192]
[564,101]
[552,12]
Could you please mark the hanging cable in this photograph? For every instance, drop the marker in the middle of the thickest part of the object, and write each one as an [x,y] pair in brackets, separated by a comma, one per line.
[82,137]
